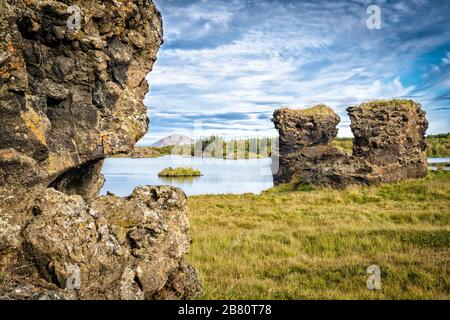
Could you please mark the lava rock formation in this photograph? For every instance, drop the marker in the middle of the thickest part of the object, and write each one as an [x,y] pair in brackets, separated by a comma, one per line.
[389,144]
[69,97]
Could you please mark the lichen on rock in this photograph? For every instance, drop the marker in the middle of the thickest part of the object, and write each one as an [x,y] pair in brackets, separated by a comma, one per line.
[116,243]
[70,97]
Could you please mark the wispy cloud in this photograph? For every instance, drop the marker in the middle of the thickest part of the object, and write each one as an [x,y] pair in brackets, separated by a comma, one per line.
[229,64]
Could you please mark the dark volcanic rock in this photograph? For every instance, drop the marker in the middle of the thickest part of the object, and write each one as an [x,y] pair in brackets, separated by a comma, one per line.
[389,145]
[391,133]
[305,128]
[304,150]
[68,99]
[125,248]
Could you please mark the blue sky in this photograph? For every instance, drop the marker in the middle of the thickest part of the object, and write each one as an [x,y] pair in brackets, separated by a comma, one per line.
[226,66]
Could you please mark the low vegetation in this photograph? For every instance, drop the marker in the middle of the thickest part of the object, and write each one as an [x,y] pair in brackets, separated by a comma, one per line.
[5,280]
[388,103]
[217,147]
[319,109]
[345,144]
[179,172]
[438,147]
[303,242]
[147,152]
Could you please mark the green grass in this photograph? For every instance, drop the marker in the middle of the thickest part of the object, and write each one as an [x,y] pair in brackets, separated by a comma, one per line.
[439,146]
[389,103]
[179,172]
[345,144]
[320,109]
[3,277]
[315,243]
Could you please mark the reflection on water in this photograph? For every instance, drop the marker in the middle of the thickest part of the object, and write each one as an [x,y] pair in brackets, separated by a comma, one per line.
[219,176]
[181,180]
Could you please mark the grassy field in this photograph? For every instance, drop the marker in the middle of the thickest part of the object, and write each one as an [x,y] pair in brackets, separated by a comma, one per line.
[317,243]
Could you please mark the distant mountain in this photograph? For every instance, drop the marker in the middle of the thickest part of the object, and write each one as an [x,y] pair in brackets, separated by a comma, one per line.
[173,140]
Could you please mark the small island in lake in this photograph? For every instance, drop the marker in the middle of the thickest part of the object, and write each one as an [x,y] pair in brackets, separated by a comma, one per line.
[179,172]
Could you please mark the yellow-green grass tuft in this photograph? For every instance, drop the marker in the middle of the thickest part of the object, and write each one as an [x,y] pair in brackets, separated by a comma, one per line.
[405,103]
[316,110]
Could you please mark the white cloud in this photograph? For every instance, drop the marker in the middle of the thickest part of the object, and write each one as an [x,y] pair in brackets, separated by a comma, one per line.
[195,20]
[255,58]
[446,59]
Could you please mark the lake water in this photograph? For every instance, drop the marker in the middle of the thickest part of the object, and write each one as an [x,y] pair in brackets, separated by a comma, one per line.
[433,162]
[438,160]
[219,176]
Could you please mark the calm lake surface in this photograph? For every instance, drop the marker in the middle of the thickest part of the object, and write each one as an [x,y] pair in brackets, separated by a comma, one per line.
[219,176]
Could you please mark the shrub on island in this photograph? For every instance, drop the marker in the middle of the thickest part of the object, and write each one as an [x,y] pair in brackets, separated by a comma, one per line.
[179,172]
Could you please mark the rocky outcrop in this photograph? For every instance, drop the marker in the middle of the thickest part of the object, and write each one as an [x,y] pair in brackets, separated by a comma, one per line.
[389,144]
[305,128]
[72,94]
[390,136]
[304,141]
[118,248]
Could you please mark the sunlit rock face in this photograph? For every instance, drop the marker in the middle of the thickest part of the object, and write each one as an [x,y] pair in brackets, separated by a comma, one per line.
[72,94]
[125,248]
[389,144]
[71,97]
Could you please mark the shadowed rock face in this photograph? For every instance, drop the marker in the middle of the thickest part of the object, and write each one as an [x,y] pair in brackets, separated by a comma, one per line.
[68,99]
[389,144]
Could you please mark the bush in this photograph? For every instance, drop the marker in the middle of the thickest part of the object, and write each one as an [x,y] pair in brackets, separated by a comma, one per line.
[179,172]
